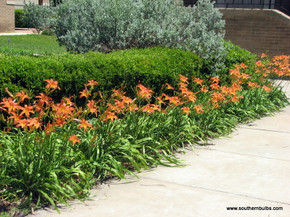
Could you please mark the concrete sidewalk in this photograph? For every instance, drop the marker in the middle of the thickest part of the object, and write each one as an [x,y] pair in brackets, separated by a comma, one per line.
[250,168]
[19,31]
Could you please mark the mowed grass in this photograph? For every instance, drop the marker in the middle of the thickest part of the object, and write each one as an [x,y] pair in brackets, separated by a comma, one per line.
[30,45]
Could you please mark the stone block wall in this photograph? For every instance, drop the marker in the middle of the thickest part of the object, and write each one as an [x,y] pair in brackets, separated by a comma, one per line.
[7,16]
[258,31]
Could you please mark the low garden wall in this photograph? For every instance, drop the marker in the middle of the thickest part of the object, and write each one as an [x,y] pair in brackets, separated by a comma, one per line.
[258,31]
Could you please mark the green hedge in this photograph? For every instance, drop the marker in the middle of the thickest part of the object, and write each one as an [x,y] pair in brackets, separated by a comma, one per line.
[19,18]
[151,67]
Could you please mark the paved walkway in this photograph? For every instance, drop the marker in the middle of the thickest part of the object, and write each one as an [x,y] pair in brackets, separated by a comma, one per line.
[20,32]
[250,168]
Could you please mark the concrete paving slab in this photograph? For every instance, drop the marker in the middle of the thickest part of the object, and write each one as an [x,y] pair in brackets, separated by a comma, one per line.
[245,175]
[154,198]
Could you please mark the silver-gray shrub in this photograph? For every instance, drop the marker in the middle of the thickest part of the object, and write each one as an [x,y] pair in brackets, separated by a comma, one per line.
[106,25]
[39,17]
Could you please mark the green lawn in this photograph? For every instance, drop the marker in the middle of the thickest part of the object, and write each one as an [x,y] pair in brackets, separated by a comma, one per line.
[30,44]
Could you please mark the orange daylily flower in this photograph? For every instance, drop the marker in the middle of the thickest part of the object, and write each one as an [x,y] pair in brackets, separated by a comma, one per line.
[49,128]
[110,116]
[22,96]
[91,83]
[9,104]
[236,98]
[16,117]
[26,110]
[118,93]
[263,55]
[198,108]
[84,124]
[186,110]
[34,123]
[204,89]
[252,84]
[63,109]
[217,97]
[175,100]
[144,92]
[267,89]
[150,108]
[127,100]
[215,86]
[198,81]
[74,139]
[52,84]
[85,93]
[23,123]
[93,108]
[44,98]
[183,79]
[132,107]
[245,76]
[215,79]
[60,121]
[169,87]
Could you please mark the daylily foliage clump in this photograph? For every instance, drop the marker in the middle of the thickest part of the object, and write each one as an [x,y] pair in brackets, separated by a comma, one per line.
[54,150]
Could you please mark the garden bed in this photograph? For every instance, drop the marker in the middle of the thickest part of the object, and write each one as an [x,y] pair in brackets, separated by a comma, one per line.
[54,150]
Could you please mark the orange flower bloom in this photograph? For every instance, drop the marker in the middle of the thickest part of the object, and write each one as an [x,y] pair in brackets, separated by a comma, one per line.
[267,89]
[132,107]
[22,96]
[215,86]
[26,110]
[52,84]
[85,93]
[60,121]
[204,89]
[92,106]
[49,128]
[44,98]
[144,92]
[215,79]
[259,64]
[84,124]
[91,83]
[118,93]
[23,123]
[110,116]
[67,101]
[16,117]
[198,81]
[62,109]
[253,84]
[169,87]
[263,55]
[9,104]
[236,98]
[245,76]
[150,108]
[127,100]
[34,123]
[198,108]
[186,110]
[217,97]
[74,139]
[175,100]
[183,79]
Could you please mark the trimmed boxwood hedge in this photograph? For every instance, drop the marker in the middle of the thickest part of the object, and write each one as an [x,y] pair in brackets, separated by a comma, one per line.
[152,67]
